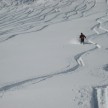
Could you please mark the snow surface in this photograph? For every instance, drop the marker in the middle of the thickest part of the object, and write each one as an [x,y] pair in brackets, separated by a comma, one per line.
[42,62]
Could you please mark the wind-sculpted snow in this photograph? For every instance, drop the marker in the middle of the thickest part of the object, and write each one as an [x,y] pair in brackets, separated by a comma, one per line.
[21,16]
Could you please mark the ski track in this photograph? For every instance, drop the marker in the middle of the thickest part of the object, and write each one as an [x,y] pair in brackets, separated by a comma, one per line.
[37,18]
[18,17]
[100,93]
[44,77]
[42,13]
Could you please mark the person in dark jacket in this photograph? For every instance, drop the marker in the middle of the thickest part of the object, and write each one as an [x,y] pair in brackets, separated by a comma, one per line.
[82,37]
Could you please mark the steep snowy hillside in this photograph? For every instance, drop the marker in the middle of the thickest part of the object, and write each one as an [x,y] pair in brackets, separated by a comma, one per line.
[42,62]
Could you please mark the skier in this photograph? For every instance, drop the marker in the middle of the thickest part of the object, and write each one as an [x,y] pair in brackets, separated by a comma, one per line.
[82,37]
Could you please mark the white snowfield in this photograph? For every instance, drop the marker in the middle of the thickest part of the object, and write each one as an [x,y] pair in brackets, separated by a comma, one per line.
[42,62]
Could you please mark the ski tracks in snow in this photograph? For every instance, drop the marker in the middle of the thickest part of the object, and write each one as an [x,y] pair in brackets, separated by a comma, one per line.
[100,93]
[16,18]
[99,98]
[69,69]
[38,79]
[44,15]
[49,15]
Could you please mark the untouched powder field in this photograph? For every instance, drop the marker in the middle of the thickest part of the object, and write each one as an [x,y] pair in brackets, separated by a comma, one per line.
[42,62]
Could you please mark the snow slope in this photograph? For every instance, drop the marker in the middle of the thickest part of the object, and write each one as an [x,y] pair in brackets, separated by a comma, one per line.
[43,64]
